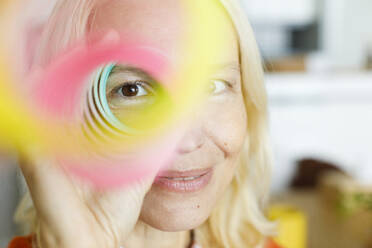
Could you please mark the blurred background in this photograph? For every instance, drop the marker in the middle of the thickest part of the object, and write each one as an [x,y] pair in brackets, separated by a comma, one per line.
[318,62]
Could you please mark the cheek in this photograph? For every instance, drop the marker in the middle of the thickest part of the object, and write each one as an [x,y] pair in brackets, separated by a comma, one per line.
[227,128]
[226,124]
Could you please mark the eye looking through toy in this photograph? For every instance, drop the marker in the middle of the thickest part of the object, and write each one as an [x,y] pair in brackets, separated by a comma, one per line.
[122,101]
[125,121]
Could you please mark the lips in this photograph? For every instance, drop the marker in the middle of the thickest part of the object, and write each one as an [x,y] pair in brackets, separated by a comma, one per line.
[184,182]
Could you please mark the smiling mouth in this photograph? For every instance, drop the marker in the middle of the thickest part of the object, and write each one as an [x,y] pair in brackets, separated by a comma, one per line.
[184,182]
[183,178]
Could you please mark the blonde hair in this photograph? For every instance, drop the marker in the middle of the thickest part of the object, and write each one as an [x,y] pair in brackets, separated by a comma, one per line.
[238,219]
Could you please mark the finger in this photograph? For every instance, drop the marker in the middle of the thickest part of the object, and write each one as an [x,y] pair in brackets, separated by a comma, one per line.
[55,199]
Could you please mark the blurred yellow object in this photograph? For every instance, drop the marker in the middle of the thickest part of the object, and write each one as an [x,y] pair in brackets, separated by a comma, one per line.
[292,226]
[21,124]
[16,126]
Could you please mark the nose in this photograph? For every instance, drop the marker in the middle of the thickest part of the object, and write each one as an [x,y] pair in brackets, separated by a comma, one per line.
[192,140]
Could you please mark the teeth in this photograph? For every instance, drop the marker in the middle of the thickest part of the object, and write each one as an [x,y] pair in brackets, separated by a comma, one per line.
[183,178]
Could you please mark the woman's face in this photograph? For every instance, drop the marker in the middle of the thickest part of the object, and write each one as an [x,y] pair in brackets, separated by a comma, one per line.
[183,196]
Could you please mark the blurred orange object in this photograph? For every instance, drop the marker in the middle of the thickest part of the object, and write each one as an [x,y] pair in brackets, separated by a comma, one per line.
[21,242]
[272,244]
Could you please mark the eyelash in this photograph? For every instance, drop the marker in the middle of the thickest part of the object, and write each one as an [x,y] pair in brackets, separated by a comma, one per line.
[150,89]
[145,85]
[227,85]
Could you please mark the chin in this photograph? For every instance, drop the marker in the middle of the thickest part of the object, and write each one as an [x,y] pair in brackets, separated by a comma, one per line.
[173,211]
[173,207]
[174,223]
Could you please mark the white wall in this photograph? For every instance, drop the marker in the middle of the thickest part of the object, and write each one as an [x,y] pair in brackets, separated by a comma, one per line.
[271,18]
[280,12]
[326,117]
[346,34]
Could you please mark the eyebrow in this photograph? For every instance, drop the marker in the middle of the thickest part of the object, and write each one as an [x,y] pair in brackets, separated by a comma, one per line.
[122,68]
[231,66]
[130,69]
[234,66]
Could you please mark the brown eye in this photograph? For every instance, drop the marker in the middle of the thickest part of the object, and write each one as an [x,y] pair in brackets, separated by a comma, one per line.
[133,90]
[129,90]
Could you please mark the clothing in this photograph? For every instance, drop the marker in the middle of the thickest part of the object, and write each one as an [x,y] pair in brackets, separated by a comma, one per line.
[26,242]
[21,242]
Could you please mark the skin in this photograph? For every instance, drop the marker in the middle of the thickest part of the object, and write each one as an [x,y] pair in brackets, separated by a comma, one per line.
[146,215]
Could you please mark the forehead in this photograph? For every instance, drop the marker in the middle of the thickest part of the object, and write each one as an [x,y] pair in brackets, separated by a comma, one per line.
[162,23]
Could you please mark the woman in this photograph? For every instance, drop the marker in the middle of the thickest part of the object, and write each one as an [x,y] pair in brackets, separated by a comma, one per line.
[214,192]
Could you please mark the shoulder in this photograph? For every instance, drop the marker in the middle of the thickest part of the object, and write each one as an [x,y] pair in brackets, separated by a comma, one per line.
[26,242]
[21,242]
